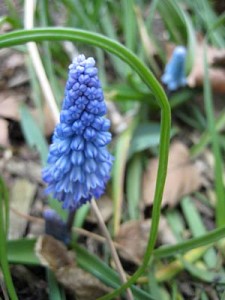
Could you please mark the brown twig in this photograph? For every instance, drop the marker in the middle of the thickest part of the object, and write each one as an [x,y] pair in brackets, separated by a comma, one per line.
[111,246]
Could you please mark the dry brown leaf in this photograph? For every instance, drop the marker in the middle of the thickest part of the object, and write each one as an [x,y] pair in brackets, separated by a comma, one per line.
[4,137]
[22,196]
[216,77]
[13,74]
[85,286]
[133,238]
[9,104]
[216,73]
[183,177]
[53,253]
[12,68]
[24,168]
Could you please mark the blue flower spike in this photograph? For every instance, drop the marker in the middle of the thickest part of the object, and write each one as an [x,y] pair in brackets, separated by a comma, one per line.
[79,163]
[174,75]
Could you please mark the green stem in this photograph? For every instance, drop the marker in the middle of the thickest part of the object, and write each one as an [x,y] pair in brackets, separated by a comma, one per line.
[3,247]
[40,34]
[203,240]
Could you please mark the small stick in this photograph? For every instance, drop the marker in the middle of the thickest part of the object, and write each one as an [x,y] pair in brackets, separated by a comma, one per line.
[111,246]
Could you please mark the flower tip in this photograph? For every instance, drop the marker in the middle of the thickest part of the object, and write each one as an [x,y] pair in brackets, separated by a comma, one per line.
[174,74]
[180,51]
[49,214]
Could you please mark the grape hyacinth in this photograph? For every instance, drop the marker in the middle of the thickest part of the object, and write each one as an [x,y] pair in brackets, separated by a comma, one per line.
[79,163]
[174,75]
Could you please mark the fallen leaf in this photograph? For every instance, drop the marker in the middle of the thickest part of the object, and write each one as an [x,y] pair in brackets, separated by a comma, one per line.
[15,60]
[9,104]
[215,60]
[12,68]
[133,238]
[21,77]
[13,74]
[54,254]
[85,286]
[183,177]
[22,196]
[4,136]
[24,168]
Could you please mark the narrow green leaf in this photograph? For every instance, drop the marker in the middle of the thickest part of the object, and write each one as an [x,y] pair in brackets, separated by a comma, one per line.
[197,227]
[175,24]
[176,222]
[22,251]
[206,239]
[153,285]
[81,215]
[169,271]
[146,135]
[108,28]
[3,246]
[5,204]
[57,206]
[129,24]
[133,186]
[33,134]
[181,97]
[205,138]
[203,274]
[55,291]
[118,174]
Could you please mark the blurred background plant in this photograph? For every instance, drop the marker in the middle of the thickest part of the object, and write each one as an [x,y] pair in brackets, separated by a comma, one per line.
[191,229]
